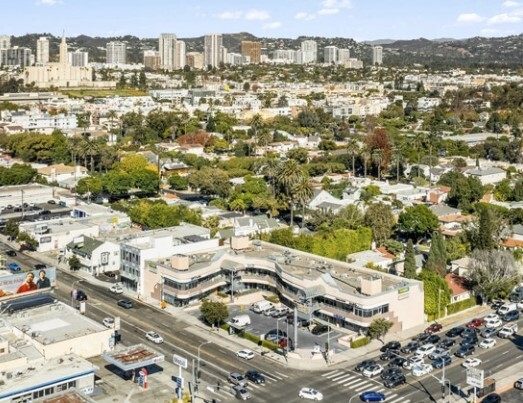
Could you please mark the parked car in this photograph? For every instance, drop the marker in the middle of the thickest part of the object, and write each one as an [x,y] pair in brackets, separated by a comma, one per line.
[440,361]
[455,331]
[433,339]
[269,312]
[488,343]
[508,330]
[413,361]
[491,316]
[446,343]
[255,376]
[310,394]
[395,381]
[507,307]
[391,345]
[390,372]
[397,362]
[116,289]
[422,337]
[280,312]
[410,347]
[422,369]
[493,324]
[319,330]
[463,351]
[438,352]
[434,328]
[371,396]
[492,398]
[511,316]
[519,384]
[237,379]
[475,323]
[389,355]
[154,337]
[471,363]
[373,370]
[488,332]
[425,350]
[51,202]
[11,253]
[241,393]
[469,332]
[364,365]
[108,322]
[275,334]
[14,266]
[125,303]
[300,323]
[246,354]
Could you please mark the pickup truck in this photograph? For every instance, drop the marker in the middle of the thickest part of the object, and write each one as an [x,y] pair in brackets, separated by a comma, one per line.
[508,330]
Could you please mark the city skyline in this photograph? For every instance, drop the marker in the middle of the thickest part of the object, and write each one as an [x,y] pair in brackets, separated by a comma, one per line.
[378,19]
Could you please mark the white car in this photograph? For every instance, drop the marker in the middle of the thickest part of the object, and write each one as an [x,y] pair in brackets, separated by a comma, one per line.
[490,317]
[310,394]
[413,361]
[493,323]
[488,343]
[373,370]
[422,369]
[154,337]
[425,350]
[245,354]
[116,289]
[108,322]
[471,362]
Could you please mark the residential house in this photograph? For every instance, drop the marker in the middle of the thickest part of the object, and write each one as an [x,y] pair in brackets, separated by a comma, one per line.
[487,176]
[458,287]
[324,201]
[379,258]
[451,220]
[66,176]
[438,194]
[95,256]
[259,224]
[512,237]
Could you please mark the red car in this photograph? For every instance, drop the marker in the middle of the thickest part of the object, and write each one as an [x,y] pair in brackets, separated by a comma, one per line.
[434,328]
[475,323]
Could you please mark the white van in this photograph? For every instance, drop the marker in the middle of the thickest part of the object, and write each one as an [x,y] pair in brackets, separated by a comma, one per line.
[262,306]
[507,307]
[241,320]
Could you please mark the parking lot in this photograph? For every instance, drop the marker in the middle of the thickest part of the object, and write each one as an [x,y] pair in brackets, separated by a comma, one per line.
[33,212]
[512,396]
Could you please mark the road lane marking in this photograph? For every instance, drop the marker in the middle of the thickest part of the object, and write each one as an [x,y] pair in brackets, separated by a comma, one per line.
[399,400]
[330,373]
[333,374]
[393,396]
[363,387]
[352,382]
[340,377]
[357,384]
[345,379]
[279,373]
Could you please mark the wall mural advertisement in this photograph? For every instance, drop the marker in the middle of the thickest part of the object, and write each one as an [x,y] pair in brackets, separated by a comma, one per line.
[27,282]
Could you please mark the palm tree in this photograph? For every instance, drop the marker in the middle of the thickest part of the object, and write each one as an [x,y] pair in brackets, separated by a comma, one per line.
[270,169]
[303,193]
[290,174]
[420,139]
[111,115]
[365,154]
[237,205]
[377,157]
[256,123]
[397,156]
[352,148]
[91,149]
[432,138]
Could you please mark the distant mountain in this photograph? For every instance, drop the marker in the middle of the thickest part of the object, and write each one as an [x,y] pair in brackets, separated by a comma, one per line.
[442,52]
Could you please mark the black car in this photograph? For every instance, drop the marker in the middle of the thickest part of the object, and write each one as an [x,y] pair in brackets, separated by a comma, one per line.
[301,322]
[40,266]
[79,295]
[389,355]
[455,331]
[319,330]
[492,398]
[410,347]
[51,202]
[391,373]
[447,343]
[362,366]
[433,339]
[496,304]
[395,381]
[444,360]
[397,362]
[125,303]
[465,350]
[469,332]
[10,253]
[391,345]
[469,341]
[511,316]
[255,376]
[422,337]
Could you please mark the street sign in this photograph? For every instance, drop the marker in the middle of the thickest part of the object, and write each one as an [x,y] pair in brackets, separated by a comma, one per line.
[180,361]
[179,381]
[475,377]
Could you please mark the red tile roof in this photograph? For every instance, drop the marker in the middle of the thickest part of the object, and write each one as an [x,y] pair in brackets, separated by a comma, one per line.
[457,284]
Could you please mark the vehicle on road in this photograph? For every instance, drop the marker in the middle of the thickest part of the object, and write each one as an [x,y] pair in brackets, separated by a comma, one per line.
[364,365]
[488,332]
[14,266]
[433,339]
[116,289]
[391,345]
[423,369]
[469,332]
[389,355]
[475,323]
[463,351]
[241,393]
[421,338]
[447,343]
[10,252]
[40,266]
[413,361]
[508,330]
[246,354]
[154,337]
[255,376]
[506,308]
[108,322]
[51,202]
[397,362]
[444,360]
[455,331]
[395,381]
[237,379]
[125,303]
[438,352]
[390,372]
[310,394]
[319,330]
[488,343]
[493,324]
[492,398]
[425,350]
[410,347]
[471,363]
[491,316]
[510,316]
[371,396]
[79,295]
[519,384]
[434,328]
[473,340]
[373,370]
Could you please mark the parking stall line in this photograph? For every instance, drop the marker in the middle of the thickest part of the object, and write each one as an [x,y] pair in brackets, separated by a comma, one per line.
[363,387]
[331,373]
[380,390]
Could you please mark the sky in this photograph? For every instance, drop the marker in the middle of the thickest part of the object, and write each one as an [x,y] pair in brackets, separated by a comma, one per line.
[358,19]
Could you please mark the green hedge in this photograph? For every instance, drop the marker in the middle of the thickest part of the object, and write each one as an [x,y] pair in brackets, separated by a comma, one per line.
[272,298]
[360,342]
[461,305]
[225,327]
[270,345]
[222,294]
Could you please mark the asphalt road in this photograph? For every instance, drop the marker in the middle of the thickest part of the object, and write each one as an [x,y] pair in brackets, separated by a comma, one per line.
[337,384]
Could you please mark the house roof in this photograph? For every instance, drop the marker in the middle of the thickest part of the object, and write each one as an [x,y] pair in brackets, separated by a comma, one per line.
[512,243]
[484,171]
[86,247]
[458,285]
[60,169]
[443,210]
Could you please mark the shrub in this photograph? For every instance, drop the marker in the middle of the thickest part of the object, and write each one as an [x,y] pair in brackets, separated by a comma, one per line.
[222,294]
[252,337]
[461,305]
[272,298]
[270,345]
[360,342]
[225,327]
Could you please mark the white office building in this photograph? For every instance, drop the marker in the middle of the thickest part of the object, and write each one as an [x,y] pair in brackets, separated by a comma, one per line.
[330,54]
[116,53]
[212,50]
[181,56]
[343,55]
[5,42]
[16,57]
[309,51]
[78,58]
[377,55]
[167,49]
[42,51]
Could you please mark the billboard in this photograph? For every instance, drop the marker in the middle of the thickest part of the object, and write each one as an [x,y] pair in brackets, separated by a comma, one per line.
[26,282]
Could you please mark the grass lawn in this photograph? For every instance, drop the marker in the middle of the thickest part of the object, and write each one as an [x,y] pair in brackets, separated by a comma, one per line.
[103,93]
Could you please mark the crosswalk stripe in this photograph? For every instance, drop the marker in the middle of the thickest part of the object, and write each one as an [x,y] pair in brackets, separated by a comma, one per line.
[392,396]
[380,390]
[351,382]
[363,387]
[253,385]
[399,400]
[346,378]
[359,383]
[340,377]
[284,375]
[333,374]
[330,373]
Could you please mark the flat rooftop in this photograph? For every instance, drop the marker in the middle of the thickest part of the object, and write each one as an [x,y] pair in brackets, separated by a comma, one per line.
[132,357]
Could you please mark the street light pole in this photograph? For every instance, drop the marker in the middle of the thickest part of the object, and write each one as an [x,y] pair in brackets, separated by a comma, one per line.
[198,364]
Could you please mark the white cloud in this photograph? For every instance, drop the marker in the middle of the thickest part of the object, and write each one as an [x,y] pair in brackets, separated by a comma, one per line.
[511,3]
[230,15]
[503,19]
[48,2]
[272,25]
[304,16]
[470,18]
[257,15]
[328,11]
[336,4]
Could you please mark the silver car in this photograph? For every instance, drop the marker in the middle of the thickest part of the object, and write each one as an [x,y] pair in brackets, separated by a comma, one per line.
[237,379]
[241,393]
